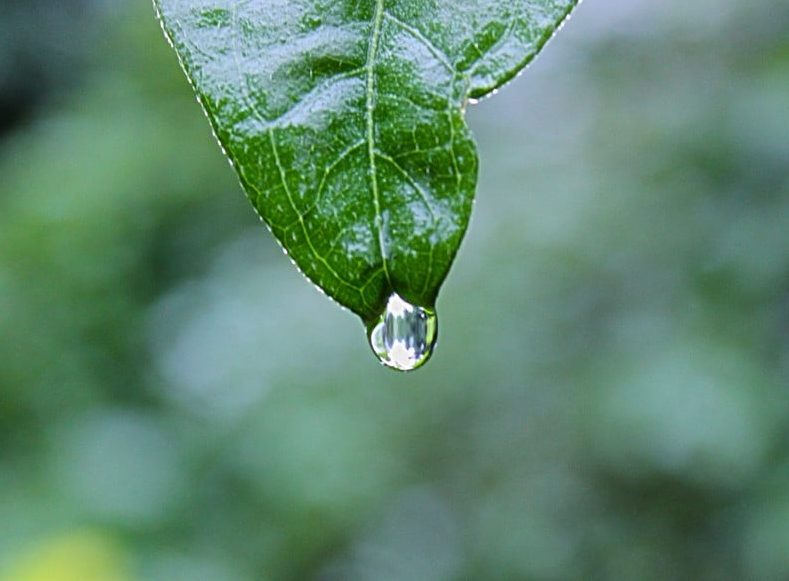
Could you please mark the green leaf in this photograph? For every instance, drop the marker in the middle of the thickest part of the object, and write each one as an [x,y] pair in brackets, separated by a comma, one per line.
[344,120]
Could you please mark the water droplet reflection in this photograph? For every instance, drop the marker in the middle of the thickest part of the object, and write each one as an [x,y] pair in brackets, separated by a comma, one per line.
[404,335]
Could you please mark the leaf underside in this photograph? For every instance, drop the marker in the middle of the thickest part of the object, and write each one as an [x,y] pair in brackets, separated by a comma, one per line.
[344,121]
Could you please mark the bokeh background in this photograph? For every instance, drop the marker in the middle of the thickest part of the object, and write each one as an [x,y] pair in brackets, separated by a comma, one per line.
[610,394]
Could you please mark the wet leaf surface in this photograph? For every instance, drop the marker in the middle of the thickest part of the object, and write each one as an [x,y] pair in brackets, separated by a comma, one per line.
[344,121]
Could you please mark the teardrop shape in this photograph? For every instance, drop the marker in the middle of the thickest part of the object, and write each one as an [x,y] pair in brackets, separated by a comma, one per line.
[404,335]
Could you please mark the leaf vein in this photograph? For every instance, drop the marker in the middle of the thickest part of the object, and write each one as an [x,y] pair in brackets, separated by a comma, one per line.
[370,122]
[317,255]
[418,35]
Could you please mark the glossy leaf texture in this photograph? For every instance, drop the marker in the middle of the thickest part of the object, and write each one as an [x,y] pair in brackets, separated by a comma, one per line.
[345,122]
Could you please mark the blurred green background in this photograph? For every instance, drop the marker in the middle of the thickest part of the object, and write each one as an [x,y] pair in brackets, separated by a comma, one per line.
[610,394]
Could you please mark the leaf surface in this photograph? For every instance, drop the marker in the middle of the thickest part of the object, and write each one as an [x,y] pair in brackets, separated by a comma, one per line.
[344,121]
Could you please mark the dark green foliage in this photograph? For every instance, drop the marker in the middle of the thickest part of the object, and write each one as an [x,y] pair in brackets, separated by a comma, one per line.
[345,122]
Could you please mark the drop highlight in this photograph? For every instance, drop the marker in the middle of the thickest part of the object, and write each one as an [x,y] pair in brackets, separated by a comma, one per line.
[404,335]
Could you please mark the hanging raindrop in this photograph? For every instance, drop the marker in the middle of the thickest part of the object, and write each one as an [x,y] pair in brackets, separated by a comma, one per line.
[404,335]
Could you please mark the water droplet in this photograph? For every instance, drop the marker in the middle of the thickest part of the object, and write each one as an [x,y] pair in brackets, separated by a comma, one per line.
[404,335]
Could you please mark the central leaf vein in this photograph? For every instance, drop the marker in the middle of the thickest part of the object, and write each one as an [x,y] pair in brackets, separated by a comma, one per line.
[370,121]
